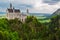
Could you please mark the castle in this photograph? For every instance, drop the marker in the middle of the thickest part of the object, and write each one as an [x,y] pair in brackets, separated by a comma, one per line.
[13,13]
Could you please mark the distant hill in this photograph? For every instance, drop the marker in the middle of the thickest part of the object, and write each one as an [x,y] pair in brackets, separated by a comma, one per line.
[40,14]
[2,14]
[31,14]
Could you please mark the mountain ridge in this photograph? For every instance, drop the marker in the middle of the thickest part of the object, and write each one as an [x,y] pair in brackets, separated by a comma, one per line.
[57,12]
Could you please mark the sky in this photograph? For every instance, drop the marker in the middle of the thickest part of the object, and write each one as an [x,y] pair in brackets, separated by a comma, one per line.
[34,6]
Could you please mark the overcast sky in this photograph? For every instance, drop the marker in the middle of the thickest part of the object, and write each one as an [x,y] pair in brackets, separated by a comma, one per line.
[34,6]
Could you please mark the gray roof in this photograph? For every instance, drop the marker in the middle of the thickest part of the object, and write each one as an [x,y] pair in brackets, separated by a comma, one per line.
[15,10]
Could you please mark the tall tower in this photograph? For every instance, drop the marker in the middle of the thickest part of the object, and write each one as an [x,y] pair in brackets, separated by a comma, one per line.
[27,11]
[10,5]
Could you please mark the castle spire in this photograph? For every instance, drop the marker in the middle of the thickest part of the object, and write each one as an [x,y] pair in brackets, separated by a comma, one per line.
[11,5]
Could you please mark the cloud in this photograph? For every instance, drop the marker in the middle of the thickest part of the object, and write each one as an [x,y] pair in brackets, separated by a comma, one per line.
[51,2]
[44,6]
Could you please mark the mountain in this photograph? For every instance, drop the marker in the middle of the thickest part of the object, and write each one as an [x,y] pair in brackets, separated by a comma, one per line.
[57,12]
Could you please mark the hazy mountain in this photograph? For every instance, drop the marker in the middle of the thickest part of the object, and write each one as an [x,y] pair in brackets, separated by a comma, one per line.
[40,14]
[32,14]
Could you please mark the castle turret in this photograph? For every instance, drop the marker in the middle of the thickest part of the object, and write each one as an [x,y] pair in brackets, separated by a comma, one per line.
[27,11]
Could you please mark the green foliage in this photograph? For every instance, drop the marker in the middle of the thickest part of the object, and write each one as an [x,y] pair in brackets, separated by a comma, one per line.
[5,35]
[31,29]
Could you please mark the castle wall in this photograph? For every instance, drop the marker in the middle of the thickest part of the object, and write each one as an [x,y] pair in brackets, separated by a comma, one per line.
[13,15]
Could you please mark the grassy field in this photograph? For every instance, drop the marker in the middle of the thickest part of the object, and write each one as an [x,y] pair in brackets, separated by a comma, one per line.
[2,17]
[43,19]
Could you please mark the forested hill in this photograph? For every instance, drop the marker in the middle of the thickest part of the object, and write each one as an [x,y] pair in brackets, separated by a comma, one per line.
[32,29]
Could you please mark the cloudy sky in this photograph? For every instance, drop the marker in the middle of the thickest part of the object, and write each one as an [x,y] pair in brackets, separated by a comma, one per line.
[34,6]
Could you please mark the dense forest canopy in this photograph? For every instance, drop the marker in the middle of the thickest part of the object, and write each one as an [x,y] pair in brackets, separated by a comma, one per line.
[31,29]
